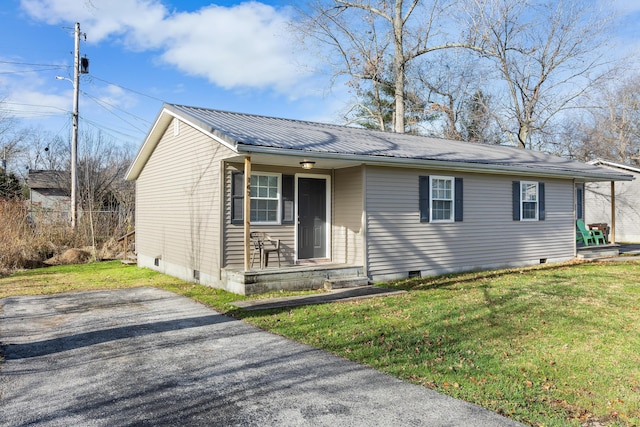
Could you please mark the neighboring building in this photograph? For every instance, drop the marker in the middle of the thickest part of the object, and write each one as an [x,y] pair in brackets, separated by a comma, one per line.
[598,202]
[391,205]
[49,192]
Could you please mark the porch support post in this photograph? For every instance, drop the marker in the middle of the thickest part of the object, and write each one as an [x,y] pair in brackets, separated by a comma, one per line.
[247,213]
[613,212]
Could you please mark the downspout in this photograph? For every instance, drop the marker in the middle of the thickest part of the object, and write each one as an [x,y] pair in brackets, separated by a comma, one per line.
[247,213]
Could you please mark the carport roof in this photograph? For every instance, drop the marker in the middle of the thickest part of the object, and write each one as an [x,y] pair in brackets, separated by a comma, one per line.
[247,134]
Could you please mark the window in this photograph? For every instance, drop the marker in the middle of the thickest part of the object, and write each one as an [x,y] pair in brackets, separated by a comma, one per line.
[271,198]
[528,201]
[265,198]
[440,199]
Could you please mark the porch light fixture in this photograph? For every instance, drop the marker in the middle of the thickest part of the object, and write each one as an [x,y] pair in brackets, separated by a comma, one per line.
[307,164]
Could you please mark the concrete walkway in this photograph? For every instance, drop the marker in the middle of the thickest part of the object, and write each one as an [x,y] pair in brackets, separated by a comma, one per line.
[337,295]
[149,357]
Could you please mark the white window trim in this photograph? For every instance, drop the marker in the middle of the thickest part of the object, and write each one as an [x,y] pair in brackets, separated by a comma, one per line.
[279,213]
[452,200]
[522,201]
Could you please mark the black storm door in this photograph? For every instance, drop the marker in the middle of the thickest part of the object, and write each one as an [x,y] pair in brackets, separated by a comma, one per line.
[312,218]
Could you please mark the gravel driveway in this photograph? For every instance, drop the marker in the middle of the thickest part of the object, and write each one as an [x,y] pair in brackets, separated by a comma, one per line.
[149,357]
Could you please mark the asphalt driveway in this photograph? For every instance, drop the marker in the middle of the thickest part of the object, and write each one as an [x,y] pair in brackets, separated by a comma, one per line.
[149,357]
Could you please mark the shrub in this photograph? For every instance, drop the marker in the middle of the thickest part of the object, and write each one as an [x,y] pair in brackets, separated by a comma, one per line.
[27,240]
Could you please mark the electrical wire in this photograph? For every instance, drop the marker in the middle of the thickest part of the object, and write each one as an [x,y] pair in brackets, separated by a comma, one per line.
[33,105]
[130,90]
[34,65]
[29,71]
[109,131]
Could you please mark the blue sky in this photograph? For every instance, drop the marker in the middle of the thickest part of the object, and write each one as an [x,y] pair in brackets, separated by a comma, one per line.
[236,56]
[229,55]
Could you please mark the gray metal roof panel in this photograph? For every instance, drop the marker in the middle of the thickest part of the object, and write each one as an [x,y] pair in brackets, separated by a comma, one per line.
[287,134]
[47,179]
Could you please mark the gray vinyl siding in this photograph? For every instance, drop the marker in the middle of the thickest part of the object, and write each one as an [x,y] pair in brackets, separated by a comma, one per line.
[347,209]
[487,237]
[234,233]
[178,204]
[598,207]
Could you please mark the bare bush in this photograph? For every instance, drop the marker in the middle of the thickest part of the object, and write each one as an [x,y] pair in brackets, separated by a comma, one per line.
[27,239]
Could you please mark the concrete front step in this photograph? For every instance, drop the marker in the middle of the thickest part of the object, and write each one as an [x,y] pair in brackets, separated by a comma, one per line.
[345,282]
[289,278]
[598,252]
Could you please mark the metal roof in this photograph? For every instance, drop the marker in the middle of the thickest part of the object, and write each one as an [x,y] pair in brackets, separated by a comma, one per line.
[602,162]
[247,133]
[48,179]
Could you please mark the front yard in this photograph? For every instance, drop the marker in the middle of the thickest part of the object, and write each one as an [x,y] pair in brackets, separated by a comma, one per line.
[550,345]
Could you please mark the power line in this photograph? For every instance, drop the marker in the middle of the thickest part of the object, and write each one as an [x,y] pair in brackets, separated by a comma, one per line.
[34,65]
[126,88]
[109,131]
[102,104]
[30,71]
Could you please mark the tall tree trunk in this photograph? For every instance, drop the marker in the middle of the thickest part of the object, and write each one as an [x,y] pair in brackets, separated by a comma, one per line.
[399,68]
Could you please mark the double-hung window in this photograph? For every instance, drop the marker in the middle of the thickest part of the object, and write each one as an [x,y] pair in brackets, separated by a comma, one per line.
[264,194]
[440,199]
[271,198]
[528,201]
[265,198]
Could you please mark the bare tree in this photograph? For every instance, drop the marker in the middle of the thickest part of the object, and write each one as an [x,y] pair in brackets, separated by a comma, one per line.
[545,54]
[452,84]
[44,151]
[106,199]
[371,39]
[11,144]
[609,130]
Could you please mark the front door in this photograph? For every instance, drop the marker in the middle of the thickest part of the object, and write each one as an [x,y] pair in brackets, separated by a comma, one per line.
[312,218]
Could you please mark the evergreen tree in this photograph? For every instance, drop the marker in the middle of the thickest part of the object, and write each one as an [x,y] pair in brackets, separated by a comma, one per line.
[10,187]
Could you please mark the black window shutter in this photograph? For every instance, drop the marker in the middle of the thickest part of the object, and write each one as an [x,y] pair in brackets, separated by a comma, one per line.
[516,200]
[541,212]
[288,185]
[580,201]
[237,197]
[424,198]
[457,210]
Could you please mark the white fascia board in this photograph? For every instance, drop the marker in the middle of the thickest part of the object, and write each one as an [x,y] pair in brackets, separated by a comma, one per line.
[155,135]
[615,165]
[147,147]
[437,164]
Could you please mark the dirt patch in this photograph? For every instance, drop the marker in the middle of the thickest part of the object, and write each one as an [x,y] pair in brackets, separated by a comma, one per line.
[70,256]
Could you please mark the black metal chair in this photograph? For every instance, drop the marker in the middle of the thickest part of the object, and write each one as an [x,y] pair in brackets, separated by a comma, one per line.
[263,245]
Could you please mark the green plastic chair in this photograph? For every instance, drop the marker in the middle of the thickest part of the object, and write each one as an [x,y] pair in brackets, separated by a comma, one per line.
[588,236]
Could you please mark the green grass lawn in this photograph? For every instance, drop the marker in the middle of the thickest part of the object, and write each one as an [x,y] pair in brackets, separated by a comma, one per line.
[548,346]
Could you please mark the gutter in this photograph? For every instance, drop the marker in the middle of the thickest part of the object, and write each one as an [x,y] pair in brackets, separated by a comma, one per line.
[436,164]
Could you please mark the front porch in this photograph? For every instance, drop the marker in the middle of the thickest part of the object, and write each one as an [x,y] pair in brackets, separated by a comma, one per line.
[598,251]
[292,278]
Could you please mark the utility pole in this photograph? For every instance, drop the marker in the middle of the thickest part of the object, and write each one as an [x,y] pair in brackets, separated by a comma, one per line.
[74,135]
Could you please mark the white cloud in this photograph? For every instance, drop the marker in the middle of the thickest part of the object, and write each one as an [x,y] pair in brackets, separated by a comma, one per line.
[25,94]
[246,45]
